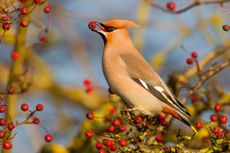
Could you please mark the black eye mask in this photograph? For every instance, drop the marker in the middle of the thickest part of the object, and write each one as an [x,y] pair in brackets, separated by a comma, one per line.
[108,28]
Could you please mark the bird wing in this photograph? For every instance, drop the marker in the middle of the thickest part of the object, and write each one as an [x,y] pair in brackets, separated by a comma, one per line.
[142,73]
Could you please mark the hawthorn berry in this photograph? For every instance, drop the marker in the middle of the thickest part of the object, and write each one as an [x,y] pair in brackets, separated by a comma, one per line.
[123,128]
[216,130]
[171,6]
[101,151]
[89,134]
[111,128]
[2,134]
[24,23]
[48,137]
[14,55]
[164,123]
[189,60]
[117,122]
[213,118]
[113,148]
[88,89]
[24,107]
[199,125]
[5,26]
[217,107]
[47,9]
[7,145]
[194,55]
[112,111]
[24,11]
[87,82]
[98,145]
[90,115]
[4,18]
[223,119]
[23,1]
[159,138]
[2,109]
[226,27]
[36,120]
[108,142]
[221,135]
[2,121]
[161,116]
[39,107]
[92,25]
[195,97]
[123,143]
[37,1]
[139,120]
[10,126]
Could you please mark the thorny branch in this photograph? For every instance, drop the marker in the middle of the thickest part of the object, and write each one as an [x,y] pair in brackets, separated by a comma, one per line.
[194,4]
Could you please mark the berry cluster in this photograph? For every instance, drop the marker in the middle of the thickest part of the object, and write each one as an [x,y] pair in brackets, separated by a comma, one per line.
[191,59]
[8,127]
[88,85]
[8,18]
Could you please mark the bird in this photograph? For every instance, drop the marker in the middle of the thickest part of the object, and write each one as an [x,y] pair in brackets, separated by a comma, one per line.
[131,77]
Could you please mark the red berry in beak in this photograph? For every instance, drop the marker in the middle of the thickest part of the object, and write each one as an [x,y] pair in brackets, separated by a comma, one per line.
[92,25]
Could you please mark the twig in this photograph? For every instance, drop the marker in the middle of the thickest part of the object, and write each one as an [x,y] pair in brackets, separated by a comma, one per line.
[192,5]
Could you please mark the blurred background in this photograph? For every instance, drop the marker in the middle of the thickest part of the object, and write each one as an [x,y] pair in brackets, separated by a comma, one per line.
[64,52]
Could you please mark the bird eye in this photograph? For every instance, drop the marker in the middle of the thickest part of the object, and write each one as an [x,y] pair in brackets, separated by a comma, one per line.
[110,29]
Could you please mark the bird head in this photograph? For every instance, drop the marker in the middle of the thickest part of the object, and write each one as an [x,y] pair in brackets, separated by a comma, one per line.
[112,28]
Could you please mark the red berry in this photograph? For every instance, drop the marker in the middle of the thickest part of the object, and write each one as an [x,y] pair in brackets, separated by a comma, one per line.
[23,1]
[195,97]
[24,107]
[36,120]
[122,128]
[87,82]
[92,25]
[10,126]
[161,116]
[113,148]
[216,130]
[112,111]
[226,27]
[164,123]
[47,9]
[2,109]
[159,138]
[117,122]
[48,138]
[42,38]
[39,107]
[24,23]
[4,18]
[194,54]
[24,11]
[123,143]
[171,6]
[98,145]
[108,142]
[2,121]
[89,134]
[221,135]
[199,125]
[101,151]
[139,120]
[5,26]
[37,1]
[217,107]
[111,128]
[223,119]
[88,89]
[14,55]
[213,118]
[7,145]
[189,60]
[90,115]
[2,134]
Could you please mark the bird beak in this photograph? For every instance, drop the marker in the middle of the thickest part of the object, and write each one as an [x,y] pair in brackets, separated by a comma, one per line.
[96,26]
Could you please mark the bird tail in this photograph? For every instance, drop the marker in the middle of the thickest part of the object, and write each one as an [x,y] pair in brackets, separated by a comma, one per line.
[185,120]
